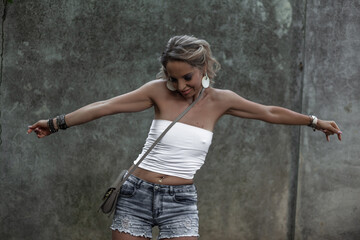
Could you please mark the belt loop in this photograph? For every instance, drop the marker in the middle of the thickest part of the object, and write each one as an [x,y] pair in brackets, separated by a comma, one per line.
[171,190]
[138,184]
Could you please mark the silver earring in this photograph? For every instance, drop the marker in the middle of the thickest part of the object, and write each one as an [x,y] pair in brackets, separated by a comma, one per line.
[170,86]
[205,81]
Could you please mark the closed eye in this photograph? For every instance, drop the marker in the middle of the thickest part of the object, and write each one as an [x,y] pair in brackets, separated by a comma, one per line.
[188,77]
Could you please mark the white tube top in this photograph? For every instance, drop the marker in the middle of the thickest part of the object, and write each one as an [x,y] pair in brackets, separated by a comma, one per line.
[181,152]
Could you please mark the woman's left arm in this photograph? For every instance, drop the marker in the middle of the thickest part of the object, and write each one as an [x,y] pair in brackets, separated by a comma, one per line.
[240,107]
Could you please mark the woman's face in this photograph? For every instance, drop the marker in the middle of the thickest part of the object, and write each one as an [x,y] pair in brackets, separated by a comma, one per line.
[185,78]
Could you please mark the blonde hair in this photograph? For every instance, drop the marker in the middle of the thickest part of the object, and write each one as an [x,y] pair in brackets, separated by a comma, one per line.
[191,50]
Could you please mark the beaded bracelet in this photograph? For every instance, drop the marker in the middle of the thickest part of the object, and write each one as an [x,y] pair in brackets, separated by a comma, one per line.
[51,126]
[60,120]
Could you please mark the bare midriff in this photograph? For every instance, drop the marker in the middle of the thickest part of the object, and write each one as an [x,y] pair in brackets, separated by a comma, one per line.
[159,178]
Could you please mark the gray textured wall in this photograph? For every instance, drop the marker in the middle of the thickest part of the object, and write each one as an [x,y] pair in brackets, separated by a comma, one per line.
[58,56]
[329,174]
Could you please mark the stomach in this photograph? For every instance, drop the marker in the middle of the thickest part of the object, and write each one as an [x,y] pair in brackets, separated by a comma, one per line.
[159,178]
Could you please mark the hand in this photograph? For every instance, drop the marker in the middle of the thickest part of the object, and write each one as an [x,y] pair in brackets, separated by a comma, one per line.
[329,128]
[41,129]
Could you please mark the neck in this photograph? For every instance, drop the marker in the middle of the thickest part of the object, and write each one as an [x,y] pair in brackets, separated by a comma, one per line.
[197,95]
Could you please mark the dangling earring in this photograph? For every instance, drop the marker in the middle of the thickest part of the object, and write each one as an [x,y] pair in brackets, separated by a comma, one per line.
[205,81]
[170,86]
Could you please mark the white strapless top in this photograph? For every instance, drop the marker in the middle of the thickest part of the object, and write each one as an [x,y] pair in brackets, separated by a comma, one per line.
[181,152]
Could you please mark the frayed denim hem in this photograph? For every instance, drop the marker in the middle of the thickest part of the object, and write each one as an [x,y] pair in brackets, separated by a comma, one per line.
[129,232]
[177,236]
[127,224]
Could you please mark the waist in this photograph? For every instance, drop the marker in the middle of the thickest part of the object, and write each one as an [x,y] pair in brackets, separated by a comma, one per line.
[159,178]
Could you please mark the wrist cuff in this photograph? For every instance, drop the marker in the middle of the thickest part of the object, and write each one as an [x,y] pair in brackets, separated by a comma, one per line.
[313,122]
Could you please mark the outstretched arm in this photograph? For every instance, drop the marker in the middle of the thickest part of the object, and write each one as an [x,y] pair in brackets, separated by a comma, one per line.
[240,107]
[137,100]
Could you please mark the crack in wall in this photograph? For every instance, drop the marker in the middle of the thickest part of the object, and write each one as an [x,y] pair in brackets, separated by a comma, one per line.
[5,3]
[302,68]
[295,164]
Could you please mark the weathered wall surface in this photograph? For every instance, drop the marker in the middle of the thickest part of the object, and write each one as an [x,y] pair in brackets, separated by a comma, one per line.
[59,56]
[329,193]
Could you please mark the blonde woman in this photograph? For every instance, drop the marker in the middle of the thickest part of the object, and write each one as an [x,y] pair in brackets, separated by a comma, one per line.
[161,190]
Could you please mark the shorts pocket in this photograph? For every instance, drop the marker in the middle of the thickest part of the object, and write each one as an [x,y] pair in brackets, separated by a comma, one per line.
[185,197]
[127,189]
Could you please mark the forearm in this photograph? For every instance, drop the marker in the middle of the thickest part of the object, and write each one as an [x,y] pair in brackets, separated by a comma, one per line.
[85,114]
[135,101]
[280,115]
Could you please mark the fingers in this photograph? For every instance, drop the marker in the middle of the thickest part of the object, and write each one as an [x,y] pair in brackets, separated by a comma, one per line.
[339,135]
[330,132]
[37,131]
[40,134]
[327,134]
[338,132]
[336,129]
[31,128]
[40,128]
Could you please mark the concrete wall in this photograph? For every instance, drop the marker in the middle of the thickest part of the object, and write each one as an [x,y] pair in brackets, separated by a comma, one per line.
[58,56]
[329,174]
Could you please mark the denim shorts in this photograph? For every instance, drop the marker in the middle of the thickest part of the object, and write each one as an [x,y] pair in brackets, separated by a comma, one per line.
[143,205]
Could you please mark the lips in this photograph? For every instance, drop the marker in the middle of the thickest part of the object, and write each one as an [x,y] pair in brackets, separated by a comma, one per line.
[186,92]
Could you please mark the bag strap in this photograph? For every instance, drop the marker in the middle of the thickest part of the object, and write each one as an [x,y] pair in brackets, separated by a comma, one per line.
[132,168]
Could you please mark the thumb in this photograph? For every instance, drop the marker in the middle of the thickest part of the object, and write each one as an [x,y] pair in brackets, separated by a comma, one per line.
[30,129]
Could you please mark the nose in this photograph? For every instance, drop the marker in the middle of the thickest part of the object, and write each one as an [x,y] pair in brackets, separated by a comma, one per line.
[181,84]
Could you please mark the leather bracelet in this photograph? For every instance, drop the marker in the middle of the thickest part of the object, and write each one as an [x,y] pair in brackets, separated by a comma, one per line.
[60,120]
[51,126]
[313,123]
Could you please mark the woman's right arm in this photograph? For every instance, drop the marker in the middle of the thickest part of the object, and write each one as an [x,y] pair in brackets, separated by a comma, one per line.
[135,101]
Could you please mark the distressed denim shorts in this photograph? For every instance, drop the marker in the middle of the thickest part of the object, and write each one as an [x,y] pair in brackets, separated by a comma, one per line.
[143,205]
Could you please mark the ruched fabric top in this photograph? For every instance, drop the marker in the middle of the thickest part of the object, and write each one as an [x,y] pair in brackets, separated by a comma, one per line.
[181,152]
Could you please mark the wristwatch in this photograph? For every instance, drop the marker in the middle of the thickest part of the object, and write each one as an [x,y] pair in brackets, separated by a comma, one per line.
[313,123]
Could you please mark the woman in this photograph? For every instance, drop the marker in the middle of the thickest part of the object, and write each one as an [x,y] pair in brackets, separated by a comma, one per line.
[161,191]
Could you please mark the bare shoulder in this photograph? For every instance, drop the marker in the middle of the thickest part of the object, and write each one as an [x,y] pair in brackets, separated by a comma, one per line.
[157,83]
[154,87]
[156,90]
[221,95]
[227,100]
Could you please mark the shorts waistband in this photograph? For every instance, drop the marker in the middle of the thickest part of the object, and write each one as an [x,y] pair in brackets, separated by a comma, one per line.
[138,182]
